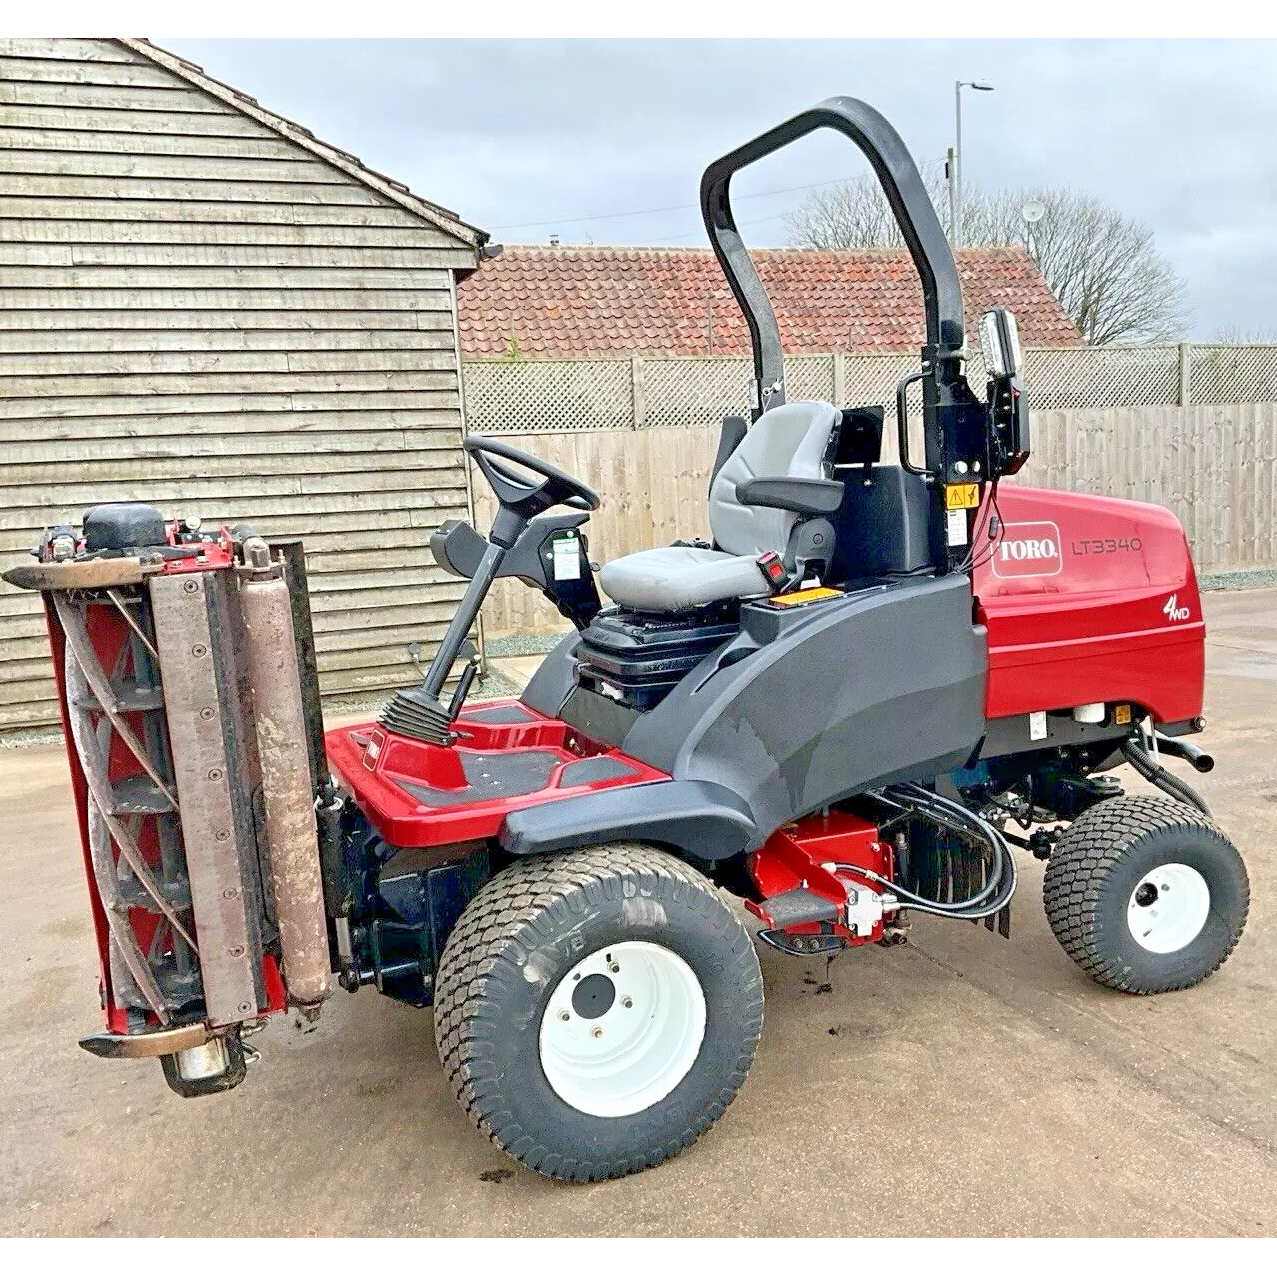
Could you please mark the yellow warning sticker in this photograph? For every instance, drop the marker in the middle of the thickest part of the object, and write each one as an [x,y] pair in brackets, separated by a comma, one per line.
[800,597]
[1121,715]
[961,496]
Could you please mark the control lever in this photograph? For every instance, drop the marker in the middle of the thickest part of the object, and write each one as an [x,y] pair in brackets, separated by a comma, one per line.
[468,672]
[414,655]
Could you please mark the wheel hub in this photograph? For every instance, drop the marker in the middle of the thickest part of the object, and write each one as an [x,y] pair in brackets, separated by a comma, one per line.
[1168,908]
[593,996]
[622,1029]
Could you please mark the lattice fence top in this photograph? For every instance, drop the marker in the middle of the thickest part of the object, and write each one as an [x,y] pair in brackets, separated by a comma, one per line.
[1234,374]
[531,396]
[520,398]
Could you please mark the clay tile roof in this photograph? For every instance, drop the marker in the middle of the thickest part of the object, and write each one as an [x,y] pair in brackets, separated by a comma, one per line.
[574,302]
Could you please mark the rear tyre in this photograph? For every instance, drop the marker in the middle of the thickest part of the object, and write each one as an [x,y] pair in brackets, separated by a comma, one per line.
[596,1012]
[1146,895]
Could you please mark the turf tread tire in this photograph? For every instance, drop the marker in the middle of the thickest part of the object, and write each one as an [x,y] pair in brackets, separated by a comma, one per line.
[1080,868]
[503,924]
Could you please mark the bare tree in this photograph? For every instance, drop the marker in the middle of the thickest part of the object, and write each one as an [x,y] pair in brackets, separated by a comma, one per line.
[1240,335]
[854,214]
[1103,267]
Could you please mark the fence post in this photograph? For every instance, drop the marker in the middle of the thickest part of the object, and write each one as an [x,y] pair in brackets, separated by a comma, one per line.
[1185,374]
[638,391]
[840,378]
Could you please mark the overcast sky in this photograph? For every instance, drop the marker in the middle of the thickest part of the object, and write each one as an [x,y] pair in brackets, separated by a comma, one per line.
[526,139]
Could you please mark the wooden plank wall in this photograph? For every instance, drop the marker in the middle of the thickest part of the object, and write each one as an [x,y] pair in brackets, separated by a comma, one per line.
[197,313]
[1215,467]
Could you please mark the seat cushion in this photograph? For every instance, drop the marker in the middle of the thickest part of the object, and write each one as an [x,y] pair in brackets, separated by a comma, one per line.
[675,577]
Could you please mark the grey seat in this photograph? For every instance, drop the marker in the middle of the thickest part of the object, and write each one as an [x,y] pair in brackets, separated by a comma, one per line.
[787,442]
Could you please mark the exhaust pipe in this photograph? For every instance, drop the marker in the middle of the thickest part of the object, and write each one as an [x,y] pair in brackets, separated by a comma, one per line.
[295,879]
[1198,759]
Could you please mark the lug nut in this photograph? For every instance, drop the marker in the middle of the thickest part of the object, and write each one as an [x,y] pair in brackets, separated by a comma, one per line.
[613,968]
[564,1015]
[627,1002]
[596,1032]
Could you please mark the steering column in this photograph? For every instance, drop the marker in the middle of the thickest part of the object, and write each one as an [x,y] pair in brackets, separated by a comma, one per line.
[419,712]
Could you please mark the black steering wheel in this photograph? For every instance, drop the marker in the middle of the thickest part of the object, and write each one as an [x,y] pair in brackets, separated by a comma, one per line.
[514,492]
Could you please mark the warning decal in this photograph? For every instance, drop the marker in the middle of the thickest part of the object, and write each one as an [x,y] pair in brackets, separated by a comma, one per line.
[961,496]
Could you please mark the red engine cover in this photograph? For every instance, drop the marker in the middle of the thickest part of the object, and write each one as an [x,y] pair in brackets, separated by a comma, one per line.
[1089,599]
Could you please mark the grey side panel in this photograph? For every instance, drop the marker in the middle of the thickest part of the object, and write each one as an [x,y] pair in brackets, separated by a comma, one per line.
[598,717]
[882,526]
[880,686]
[548,688]
[700,818]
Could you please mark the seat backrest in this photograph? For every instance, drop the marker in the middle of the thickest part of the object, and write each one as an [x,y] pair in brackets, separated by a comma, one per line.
[788,442]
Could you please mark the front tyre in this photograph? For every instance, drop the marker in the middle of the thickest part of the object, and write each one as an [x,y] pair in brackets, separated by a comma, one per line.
[596,1012]
[1146,894]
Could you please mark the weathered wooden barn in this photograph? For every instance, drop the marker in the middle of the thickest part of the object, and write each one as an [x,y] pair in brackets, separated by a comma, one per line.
[204,306]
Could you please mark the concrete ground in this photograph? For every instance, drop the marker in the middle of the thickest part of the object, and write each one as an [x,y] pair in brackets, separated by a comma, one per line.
[960,1085]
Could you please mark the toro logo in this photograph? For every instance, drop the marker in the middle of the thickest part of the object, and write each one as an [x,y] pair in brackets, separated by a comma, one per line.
[1028,549]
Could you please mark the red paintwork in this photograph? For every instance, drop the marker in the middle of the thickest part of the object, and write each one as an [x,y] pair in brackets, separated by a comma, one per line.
[115,1018]
[796,855]
[372,760]
[1089,621]
[218,553]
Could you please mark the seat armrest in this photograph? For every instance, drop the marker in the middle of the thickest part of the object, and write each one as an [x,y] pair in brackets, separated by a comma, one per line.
[802,496]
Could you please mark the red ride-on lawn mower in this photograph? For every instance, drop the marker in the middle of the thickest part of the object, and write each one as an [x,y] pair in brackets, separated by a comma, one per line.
[852,705]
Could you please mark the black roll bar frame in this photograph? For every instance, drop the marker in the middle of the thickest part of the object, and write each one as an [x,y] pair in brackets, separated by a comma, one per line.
[953,420]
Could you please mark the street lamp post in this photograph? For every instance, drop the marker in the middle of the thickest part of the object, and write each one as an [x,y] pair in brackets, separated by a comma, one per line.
[955,169]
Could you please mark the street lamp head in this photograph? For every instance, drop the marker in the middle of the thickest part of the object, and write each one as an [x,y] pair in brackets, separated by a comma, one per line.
[982,86]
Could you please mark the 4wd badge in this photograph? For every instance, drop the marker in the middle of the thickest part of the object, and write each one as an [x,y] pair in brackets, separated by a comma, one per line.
[1028,549]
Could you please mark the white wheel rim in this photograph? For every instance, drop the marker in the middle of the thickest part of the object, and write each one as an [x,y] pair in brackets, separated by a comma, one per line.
[1168,908]
[625,1040]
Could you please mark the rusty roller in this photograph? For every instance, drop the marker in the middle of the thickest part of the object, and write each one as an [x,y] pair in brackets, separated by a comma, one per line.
[295,877]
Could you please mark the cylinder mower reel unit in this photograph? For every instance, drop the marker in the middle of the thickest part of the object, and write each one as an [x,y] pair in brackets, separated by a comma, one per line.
[181,677]
[859,698]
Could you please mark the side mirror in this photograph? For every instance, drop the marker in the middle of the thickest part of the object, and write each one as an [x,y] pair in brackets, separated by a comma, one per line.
[1000,343]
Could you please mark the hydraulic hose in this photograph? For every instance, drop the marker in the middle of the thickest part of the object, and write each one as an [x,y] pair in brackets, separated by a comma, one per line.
[1167,782]
[1002,877]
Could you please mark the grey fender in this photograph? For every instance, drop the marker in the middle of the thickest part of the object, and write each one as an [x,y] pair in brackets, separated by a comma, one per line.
[805,708]
[696,817]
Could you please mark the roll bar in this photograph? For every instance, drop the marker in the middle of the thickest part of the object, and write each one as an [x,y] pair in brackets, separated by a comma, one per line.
[903,186]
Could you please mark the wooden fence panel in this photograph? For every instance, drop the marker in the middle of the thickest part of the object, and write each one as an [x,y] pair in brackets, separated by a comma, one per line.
[1214,467]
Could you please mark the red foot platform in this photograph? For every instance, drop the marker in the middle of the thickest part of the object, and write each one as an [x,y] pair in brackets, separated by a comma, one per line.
[508,756]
